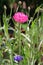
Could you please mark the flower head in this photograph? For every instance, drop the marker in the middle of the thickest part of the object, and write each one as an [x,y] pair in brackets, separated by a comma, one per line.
[29,8]
[20,2]
[20,17]
[18,58]
[24,5]
[5,7]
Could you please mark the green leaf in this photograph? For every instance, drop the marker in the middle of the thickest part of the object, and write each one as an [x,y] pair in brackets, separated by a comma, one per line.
[24,26]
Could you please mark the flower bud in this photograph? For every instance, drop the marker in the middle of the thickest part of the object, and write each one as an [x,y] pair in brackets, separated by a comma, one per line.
[5,7]
[28,8]
[20,2]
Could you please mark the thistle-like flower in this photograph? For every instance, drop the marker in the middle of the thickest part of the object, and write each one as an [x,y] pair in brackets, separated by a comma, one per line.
[20,17]
[18,58]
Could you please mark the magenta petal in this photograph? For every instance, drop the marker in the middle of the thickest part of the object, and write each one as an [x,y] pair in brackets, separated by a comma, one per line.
[20,17]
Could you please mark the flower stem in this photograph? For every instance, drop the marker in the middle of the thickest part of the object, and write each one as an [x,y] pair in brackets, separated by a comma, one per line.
[11,59]
[11,11]
[19,38]
[19,34]
[11,55]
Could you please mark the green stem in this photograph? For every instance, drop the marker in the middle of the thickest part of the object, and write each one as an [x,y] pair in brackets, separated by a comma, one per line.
[19,34]
[11,12]
[11,57]
[5,26]
[19,40]
[18,63]
[11,54]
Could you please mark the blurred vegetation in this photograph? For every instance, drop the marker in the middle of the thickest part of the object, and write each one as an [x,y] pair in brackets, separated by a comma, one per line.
[30,43]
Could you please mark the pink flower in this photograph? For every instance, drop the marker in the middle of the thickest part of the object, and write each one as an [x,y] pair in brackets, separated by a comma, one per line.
[20,17]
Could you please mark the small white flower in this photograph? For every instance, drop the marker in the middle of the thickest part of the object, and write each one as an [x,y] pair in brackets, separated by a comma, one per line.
[19,2]
[5,7]
[28,45]
[10,51]
[29,8]
[28,28]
